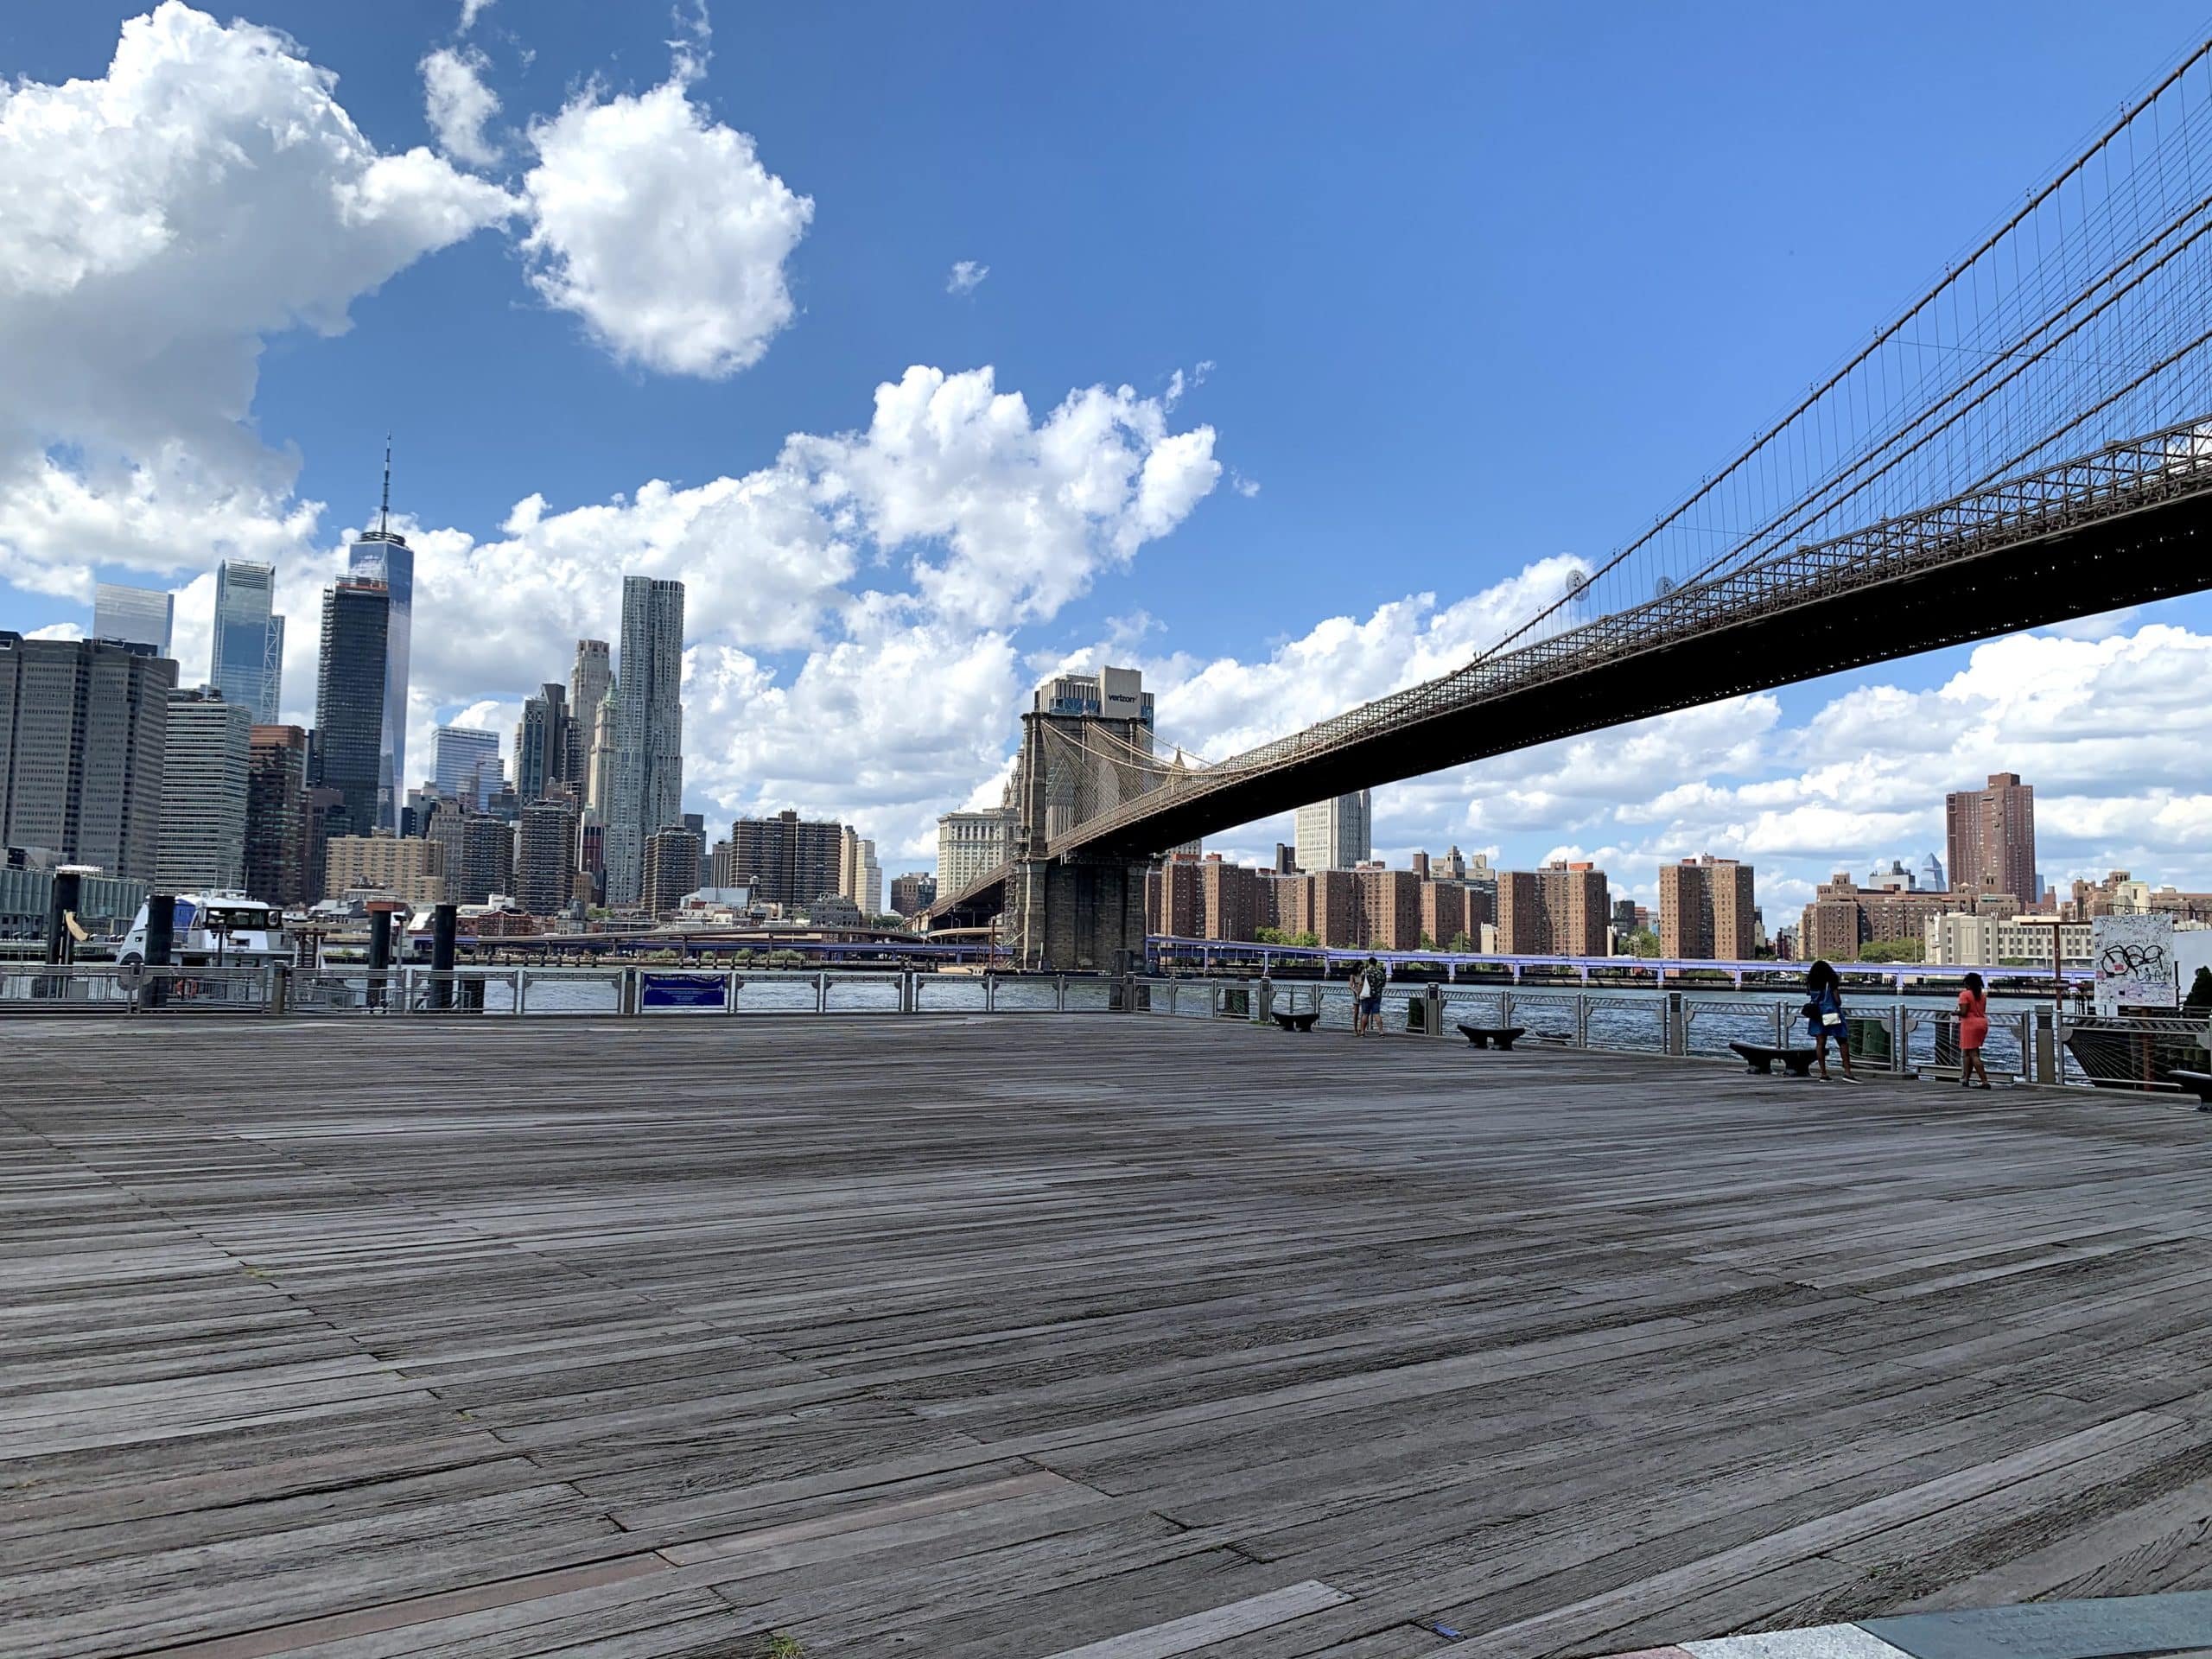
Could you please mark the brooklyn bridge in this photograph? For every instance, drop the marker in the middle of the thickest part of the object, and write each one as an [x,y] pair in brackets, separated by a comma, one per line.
[2028,441]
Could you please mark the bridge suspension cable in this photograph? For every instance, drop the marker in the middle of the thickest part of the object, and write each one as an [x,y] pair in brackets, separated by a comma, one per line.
[2085,314]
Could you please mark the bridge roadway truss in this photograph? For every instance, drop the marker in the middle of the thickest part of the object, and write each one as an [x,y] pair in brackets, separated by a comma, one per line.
[2122,526]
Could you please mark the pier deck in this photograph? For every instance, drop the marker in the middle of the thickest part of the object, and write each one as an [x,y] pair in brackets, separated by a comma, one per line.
[1014,1336]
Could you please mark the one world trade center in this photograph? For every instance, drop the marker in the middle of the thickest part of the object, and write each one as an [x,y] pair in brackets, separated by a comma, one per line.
[383,554]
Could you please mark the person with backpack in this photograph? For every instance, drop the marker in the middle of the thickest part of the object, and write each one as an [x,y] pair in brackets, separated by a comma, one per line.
[1824,1014]
[1974,1031]
[1373,976]
[1357,981]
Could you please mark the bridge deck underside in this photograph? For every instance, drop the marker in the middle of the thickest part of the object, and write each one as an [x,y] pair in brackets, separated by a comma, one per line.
[1002,1336]
[2156,554]
[2107,564]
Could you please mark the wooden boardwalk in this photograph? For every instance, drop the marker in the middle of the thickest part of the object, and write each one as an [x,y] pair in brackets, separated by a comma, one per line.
[1034,1336]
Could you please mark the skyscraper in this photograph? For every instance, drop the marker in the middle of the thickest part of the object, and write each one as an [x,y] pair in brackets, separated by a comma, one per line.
[488,860]
[859,878]
[599,753]
[1991,834]
[545,856]
[1337,834]
[466,764]
[83,728]
[671,868]
[647,793]
[349,701]
[137,616]
[248,666]
[789,859]
[544,745]
[1706,911]
[970,845]
[277,814]
[205,758]
[382,555]
[1559,911]
[589,681]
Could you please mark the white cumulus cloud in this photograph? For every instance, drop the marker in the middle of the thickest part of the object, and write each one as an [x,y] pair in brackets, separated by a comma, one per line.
[459,103]
[158,222]
[662,230]
[967,276]
[1010,517]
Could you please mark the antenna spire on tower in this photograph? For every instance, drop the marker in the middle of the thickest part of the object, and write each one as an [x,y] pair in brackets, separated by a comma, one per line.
[383,511]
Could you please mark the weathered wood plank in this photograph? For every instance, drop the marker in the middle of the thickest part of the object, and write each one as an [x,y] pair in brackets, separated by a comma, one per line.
[1032,1335]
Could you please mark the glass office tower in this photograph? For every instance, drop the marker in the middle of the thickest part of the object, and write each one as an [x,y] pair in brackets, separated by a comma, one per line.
[248,667]
[137,616]
[383,555]
[350,701]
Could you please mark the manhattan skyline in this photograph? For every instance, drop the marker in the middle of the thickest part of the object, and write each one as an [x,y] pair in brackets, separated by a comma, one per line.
[863,628]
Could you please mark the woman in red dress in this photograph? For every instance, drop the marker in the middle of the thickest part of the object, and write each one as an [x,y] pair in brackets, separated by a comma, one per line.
[1974,1031]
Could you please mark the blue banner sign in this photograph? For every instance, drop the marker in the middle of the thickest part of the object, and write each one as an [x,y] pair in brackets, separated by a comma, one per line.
[657,990]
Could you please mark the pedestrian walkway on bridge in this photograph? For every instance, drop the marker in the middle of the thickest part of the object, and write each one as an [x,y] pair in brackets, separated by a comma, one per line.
[1033,1335]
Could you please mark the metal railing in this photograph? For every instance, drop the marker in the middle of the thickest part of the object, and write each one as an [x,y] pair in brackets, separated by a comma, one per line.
[107,988]
[1898,1036]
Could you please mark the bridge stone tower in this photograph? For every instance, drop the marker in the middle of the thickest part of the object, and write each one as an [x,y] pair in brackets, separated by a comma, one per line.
[1086,748]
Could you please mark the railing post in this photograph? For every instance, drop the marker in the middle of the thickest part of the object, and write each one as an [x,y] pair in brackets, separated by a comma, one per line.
[1433,1016]
[522,990]
[1060,993]
[2043,1028]
[1677,1026]
[276,989]
[821,990]
[1174,986]
[990,992]
[1582,1019]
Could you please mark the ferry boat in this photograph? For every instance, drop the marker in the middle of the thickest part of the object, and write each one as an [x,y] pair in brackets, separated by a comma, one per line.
[225,926]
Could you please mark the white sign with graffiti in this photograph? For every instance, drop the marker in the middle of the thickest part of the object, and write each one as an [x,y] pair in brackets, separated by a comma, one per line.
[2135,963]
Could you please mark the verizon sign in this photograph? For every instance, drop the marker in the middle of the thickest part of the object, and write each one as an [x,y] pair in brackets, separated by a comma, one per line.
[1121,693]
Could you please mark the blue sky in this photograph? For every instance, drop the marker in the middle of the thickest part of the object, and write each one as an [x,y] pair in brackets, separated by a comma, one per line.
[1433,258]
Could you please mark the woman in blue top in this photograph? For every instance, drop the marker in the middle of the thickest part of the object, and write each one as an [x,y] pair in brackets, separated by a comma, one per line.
[1824,1013]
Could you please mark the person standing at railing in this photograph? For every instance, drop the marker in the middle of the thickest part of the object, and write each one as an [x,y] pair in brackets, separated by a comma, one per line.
[1369,982]
[1357,983]
[1974,1031]
[1824,1014]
